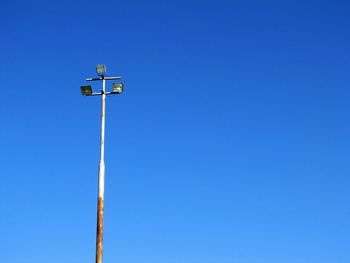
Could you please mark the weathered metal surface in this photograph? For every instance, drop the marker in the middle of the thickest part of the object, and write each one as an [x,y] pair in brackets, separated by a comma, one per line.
[101,182]
[99,234]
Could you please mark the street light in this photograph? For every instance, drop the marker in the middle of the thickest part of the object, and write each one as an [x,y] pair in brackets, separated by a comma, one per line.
[87,91]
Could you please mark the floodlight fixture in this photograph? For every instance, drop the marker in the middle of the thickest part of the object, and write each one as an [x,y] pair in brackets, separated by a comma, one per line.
[118,88]
[101,69]
[86,90]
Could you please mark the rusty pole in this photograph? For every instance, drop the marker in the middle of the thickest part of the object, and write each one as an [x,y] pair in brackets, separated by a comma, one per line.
[101,180]
[87,91]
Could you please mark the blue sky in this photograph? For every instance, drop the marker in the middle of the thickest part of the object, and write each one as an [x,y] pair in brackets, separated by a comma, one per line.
[230,143]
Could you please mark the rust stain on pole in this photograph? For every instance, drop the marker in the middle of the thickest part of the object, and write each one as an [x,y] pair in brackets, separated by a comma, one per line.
[99,234]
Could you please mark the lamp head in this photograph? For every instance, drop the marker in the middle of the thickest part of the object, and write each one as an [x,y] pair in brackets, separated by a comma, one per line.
[86,90]
[118,88]
[101,69]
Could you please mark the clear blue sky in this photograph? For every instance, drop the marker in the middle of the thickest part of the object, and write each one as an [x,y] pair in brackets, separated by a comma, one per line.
[230,143]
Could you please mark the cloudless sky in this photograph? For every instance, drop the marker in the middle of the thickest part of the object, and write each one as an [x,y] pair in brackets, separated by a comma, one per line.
[230,143]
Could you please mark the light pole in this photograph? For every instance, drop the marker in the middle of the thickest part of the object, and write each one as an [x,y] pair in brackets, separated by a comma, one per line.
[87,91]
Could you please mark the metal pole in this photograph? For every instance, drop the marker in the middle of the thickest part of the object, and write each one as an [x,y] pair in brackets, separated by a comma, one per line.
[101,181]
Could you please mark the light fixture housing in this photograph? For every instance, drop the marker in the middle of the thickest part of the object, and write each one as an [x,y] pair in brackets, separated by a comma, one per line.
[86,90]
[101,69]
[117,88]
